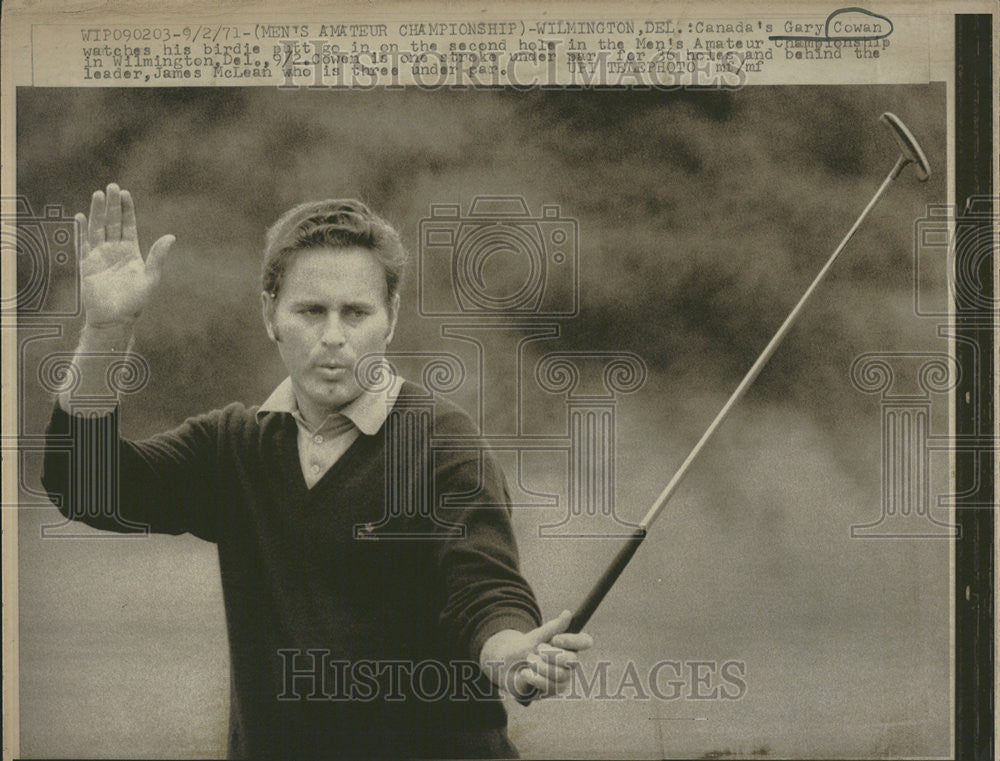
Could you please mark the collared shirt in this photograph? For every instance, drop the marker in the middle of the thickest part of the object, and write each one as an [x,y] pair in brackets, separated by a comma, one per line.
[321,447]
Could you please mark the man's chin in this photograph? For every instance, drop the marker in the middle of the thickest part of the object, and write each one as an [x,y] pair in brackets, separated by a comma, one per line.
[323,395]
[337,395]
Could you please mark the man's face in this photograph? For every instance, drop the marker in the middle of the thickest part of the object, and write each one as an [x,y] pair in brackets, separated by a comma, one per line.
[330,311]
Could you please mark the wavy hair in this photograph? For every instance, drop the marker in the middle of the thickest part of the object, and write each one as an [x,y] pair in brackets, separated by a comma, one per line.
[333,223]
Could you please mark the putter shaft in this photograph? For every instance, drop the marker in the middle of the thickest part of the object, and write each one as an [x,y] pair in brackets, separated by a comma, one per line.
[911,153]
[768,352]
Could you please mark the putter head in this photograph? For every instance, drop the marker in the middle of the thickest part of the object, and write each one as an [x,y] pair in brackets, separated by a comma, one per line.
[907,144]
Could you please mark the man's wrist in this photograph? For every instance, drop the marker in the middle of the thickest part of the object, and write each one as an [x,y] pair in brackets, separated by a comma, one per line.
[108,336]
[513,619]
[497,663]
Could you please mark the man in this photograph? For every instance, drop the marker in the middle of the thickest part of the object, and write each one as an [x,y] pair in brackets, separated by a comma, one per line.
[337,642]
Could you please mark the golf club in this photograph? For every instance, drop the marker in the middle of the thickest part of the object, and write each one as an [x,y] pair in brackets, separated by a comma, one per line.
[910,153]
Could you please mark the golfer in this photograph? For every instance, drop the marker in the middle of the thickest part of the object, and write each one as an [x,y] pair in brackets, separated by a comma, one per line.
[341,646]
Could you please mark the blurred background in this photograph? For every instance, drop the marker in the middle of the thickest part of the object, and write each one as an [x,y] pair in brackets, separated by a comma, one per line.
[701,218]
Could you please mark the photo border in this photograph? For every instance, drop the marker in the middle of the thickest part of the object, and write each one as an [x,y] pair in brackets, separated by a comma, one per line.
[975,326]
[974,347]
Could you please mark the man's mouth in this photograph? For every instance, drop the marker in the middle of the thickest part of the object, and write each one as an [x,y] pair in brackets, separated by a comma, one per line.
[332,370]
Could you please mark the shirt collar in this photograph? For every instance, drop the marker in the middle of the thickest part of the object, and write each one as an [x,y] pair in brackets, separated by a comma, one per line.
[368,411]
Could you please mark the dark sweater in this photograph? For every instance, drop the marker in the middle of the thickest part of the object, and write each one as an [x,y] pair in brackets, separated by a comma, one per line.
[338,645]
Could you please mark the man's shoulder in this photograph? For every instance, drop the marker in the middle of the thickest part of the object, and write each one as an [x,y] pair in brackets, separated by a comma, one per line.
[234,411]
[231,420]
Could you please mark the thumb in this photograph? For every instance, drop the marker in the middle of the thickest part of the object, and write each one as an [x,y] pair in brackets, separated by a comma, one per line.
[157,253]
[549,629]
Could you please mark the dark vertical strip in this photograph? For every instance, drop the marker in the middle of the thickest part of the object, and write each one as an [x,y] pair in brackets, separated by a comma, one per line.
[974,399]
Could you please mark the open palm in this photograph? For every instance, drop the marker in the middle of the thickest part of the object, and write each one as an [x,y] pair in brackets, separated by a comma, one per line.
[115,280]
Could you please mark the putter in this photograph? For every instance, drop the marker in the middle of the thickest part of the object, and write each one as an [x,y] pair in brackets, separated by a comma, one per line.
[910,153]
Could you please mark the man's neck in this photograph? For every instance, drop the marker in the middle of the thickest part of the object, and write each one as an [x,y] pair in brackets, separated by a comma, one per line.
[315,416]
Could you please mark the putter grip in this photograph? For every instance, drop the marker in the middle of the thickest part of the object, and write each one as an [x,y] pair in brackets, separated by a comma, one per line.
[586,609]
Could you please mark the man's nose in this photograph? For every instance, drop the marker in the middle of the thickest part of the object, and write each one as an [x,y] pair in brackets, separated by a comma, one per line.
[333,330]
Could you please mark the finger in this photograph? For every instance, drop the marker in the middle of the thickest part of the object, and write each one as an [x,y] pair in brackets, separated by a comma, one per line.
[95,227]
[575,642]
[90,259]
[157,254]
[552,672]
[113,214]
[129,231]
[557,656]
[80,227]
[549,629]
[526,679]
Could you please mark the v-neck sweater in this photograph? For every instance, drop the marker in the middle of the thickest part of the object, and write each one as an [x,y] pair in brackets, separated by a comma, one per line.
[318,580]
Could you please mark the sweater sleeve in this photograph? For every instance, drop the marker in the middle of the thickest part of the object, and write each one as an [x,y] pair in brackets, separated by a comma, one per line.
[165,484]
[484,589]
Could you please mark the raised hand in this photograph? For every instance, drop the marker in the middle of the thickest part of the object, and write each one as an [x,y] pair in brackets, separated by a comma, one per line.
[115,281]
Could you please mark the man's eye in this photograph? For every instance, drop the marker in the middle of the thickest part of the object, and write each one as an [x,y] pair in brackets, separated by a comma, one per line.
[357,312]
[312,310]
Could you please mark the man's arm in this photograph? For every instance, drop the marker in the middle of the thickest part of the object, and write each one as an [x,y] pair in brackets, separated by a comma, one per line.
[490,606]
[88,471]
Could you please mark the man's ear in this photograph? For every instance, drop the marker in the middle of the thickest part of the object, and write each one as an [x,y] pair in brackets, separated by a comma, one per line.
[393,315]
[267,310]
